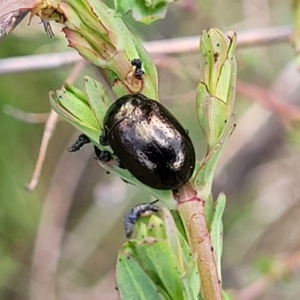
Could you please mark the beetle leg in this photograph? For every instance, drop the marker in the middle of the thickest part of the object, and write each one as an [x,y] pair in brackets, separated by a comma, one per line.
[82,140]
[121,166]
[48,28]
[136,212]
[104,156]
[103,139]
[175,192]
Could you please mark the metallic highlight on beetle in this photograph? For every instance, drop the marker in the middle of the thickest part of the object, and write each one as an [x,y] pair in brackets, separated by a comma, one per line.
[149,141]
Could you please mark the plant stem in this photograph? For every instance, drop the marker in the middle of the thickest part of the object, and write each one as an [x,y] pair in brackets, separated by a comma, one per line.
[192,215]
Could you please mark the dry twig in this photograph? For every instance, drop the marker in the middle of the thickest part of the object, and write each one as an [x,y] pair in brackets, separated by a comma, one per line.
[49,128]
[246,38]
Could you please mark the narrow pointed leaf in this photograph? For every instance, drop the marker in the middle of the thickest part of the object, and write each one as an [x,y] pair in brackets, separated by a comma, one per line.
[98,99]
[217,229]
[191,282]
[133,282]
[161,264]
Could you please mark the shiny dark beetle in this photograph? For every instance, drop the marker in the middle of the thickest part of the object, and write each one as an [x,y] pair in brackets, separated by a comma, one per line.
[149,142]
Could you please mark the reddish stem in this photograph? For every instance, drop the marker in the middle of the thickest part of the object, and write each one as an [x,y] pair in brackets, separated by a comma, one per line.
[191,210]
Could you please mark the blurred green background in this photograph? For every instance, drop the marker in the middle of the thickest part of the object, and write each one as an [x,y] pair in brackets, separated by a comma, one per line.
[61,240]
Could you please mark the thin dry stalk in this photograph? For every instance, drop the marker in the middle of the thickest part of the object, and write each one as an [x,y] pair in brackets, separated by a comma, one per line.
[246,38]
[48,132]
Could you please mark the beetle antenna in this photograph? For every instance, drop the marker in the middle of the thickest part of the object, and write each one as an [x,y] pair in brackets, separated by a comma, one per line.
[82,140]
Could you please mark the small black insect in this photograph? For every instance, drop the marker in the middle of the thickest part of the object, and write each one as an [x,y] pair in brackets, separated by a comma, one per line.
[136,212]
[138,73]
[149,142]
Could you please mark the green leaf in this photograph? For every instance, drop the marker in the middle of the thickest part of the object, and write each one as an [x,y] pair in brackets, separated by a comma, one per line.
[216,232]
[204,177]
[156,227]
[161,263]
[209,210]
[80,110]
[178,223]
[133,248]
[141,228]
[191,282]
[146,11]
[212,114]
[76,91]
[165,256]
[90,129]
[216,90]
[150,225]
[173,239]
[133,282]
[98,99]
